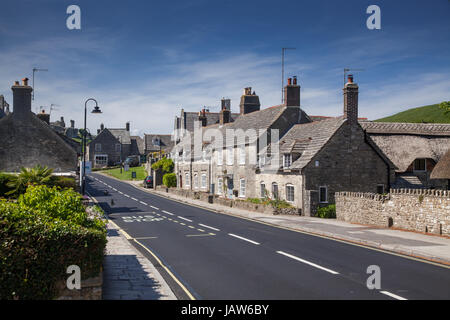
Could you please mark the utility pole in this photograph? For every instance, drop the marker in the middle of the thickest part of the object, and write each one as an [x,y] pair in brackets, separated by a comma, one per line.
[34,71]
[283,50]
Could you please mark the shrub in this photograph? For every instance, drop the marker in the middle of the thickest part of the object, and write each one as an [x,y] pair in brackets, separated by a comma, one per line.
[39,241]
[27,176]
[4,180]
[165,164]
[170,180]
[63,182]
[327,212]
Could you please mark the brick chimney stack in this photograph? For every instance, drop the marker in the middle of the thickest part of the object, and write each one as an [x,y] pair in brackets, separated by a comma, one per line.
[21,99]
[202,117]
[292,93]
[127,126]
[72,123]
[351,101]
[225,111]
[249,101]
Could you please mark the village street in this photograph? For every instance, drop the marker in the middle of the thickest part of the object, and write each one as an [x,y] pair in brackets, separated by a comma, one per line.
[208,255]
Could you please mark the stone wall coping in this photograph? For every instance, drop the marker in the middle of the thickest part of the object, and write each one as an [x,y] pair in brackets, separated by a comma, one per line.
[382,197]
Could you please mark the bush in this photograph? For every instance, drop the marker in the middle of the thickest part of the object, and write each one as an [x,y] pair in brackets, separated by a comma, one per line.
[63,182]
[170,180]
[165,164]
[4,180]
[42,234]
[327,212]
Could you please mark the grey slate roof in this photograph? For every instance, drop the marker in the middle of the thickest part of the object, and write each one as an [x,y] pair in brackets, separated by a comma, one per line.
[137,145]
[211,118]
[406,128]
[122,135]
[308,139]
[166,142]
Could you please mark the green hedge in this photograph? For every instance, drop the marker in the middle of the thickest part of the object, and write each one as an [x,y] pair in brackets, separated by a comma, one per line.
[42,234]
[327,212]
[170,180]
[4,179]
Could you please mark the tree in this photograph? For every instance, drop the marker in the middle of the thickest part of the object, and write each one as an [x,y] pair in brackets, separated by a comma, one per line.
[28,176]
[165,164]
[446,106]
[170,180]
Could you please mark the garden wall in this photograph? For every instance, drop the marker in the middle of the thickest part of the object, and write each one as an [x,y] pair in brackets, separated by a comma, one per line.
[409,209]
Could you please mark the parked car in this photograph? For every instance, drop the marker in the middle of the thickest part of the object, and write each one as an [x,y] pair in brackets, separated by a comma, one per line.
[148,182]
[132,161]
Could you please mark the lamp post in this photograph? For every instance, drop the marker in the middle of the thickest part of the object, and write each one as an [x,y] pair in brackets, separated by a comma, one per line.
[83,166]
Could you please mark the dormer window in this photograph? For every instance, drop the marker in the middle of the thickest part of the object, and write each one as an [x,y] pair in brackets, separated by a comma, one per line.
[287,160]
[420,165]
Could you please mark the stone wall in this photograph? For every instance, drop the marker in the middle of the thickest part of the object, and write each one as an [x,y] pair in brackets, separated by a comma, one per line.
[238,203]
[409,209]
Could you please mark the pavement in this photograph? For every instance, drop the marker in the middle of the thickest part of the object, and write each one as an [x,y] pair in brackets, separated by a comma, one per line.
[127,274]
[429,247]
[204,254]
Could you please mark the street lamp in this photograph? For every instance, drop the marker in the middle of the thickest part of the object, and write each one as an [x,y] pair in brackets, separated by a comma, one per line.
[83,167]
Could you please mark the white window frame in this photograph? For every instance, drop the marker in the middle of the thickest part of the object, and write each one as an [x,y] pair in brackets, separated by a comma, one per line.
[187,181]
[219,185]
[242,155]
[262,191]
[326,194]
[288,186]
[118,147]
[203,181]
[230,156]
[195,181]
[287,159]
[278,191]
[103,162]
[242,187]
[219,157]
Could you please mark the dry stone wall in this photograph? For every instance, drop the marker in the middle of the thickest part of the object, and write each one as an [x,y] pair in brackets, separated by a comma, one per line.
[409,209]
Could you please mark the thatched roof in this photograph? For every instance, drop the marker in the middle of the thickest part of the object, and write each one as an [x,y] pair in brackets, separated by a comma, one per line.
[442,168]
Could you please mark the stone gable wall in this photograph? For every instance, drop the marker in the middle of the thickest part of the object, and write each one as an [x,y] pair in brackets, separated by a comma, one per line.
[409,209]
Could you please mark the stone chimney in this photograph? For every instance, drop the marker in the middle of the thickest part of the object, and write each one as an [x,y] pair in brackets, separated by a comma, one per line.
[72,123]
[63,124]
[127,126]
[292,93]
[102,126]
[21,99]
[225,111]
[202,117]
[249,101]
[44,117]
[351,101]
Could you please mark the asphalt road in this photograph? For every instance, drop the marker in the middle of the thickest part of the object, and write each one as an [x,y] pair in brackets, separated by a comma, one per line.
[218,256]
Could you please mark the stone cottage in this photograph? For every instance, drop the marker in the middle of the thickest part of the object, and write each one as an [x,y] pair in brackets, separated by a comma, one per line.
[27,141]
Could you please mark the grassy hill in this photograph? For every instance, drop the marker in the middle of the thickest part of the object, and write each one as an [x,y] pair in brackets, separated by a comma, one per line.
[427,114]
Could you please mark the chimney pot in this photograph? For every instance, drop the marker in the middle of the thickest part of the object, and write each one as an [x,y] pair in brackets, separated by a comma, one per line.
[289,81]
[25,81]
[295,80]
[127,126]
[350,78]
[16,83]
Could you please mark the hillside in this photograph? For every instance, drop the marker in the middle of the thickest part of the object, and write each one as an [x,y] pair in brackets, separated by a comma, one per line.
[427,114]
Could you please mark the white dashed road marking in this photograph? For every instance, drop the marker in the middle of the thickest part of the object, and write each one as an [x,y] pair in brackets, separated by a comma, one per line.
[185,219]
[307,262]
[168,212]
[143,203]
[156,208]
[393,295]
[242,238]
[204,225]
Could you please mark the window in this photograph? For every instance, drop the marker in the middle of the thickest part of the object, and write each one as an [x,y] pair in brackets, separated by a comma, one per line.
[420,165]
[242,155]
[118,147]
[242,188]
[316,163]
[219,157]
[275,191]
[263,190]
[203,181]
[287,160]
[290,193]
[98,147]
[323,194]
[101,160]
[187,180]
[380,188]
[230,155]
[219,185]
[195,181]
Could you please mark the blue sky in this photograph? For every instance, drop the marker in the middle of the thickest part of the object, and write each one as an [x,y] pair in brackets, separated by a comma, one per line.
[144,60]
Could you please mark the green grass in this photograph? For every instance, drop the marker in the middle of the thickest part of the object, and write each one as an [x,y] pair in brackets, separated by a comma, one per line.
[126,175]
[425,114]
